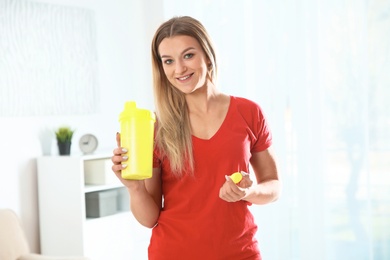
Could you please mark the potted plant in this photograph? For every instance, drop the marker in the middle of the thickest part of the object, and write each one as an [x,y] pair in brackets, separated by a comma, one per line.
[64,136]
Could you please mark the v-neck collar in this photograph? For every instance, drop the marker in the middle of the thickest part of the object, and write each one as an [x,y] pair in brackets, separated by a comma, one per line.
[215,135]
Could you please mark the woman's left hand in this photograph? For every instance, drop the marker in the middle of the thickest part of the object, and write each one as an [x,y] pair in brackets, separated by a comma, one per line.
[232,192]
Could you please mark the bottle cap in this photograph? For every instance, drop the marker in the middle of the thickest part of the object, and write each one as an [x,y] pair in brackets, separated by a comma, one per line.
[236,177]
[131,110]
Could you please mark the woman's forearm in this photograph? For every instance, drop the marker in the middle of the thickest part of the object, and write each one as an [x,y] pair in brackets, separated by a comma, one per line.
[263,193]
[143,206]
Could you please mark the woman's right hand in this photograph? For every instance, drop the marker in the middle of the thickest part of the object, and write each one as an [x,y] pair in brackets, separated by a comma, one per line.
[119,156]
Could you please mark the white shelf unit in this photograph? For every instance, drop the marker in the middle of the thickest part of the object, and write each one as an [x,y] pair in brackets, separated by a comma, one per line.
[64,227]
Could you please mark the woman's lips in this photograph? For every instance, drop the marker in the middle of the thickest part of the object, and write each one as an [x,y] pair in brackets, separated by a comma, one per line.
[185,77]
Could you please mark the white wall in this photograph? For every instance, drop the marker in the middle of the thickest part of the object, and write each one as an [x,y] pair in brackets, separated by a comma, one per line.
[124,31]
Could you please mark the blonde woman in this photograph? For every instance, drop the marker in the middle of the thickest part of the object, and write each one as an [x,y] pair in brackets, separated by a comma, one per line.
[202,136]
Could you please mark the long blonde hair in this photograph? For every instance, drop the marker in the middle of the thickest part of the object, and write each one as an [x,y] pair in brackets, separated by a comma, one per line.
[173,132]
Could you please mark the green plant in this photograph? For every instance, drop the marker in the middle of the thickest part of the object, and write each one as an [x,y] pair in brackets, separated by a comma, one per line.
[64,134]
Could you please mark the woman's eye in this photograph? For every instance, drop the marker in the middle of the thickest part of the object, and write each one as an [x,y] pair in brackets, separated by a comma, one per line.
[189,55]
[168,61]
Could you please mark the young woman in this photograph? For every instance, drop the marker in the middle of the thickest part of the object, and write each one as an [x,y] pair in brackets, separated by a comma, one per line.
[202,136]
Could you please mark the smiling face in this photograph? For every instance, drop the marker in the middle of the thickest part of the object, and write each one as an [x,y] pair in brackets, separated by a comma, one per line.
[184,63]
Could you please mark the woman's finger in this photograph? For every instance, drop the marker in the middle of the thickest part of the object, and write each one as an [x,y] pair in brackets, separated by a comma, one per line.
[118,139]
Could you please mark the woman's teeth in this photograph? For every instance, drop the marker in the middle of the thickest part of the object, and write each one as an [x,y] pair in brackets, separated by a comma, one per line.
[185,77]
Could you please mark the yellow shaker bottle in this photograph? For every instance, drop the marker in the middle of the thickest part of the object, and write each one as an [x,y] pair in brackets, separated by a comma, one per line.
[137,134]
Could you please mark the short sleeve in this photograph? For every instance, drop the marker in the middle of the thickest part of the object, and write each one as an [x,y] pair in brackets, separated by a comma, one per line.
[262,132]
[258,129]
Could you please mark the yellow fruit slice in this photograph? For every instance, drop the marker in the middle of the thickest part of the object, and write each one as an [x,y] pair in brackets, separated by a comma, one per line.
[236,177]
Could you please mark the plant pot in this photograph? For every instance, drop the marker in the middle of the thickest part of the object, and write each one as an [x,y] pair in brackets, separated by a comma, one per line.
[64,148]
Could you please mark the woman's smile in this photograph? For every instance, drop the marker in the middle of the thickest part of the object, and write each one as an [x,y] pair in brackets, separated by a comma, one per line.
[185,78]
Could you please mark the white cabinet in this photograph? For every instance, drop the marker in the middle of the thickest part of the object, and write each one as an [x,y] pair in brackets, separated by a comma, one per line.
[64,228]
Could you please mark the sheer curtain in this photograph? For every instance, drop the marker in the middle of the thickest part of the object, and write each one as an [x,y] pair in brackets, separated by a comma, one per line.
[321,72]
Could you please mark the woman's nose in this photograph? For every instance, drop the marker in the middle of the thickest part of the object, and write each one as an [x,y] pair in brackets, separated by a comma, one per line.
[180,67]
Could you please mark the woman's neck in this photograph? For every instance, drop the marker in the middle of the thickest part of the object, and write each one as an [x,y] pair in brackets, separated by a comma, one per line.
[205,99]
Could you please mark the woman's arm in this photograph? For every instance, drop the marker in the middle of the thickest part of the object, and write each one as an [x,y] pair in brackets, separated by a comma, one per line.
[145,195]
[268,185]
[146,199]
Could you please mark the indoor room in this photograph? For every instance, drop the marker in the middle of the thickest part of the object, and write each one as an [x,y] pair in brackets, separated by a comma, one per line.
[318,69]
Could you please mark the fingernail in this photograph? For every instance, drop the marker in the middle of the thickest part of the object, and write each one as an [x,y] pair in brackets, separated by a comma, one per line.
[124,150]
[124,165]
[244,173]
[125,157]
[227,178]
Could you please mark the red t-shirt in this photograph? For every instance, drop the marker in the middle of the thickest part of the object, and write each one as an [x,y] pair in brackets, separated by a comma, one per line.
[195,223]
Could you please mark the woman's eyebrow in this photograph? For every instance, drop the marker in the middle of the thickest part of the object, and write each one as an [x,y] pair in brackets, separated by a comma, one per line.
[184,51]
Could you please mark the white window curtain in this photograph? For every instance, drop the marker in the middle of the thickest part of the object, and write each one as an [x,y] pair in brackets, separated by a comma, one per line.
[321,72]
